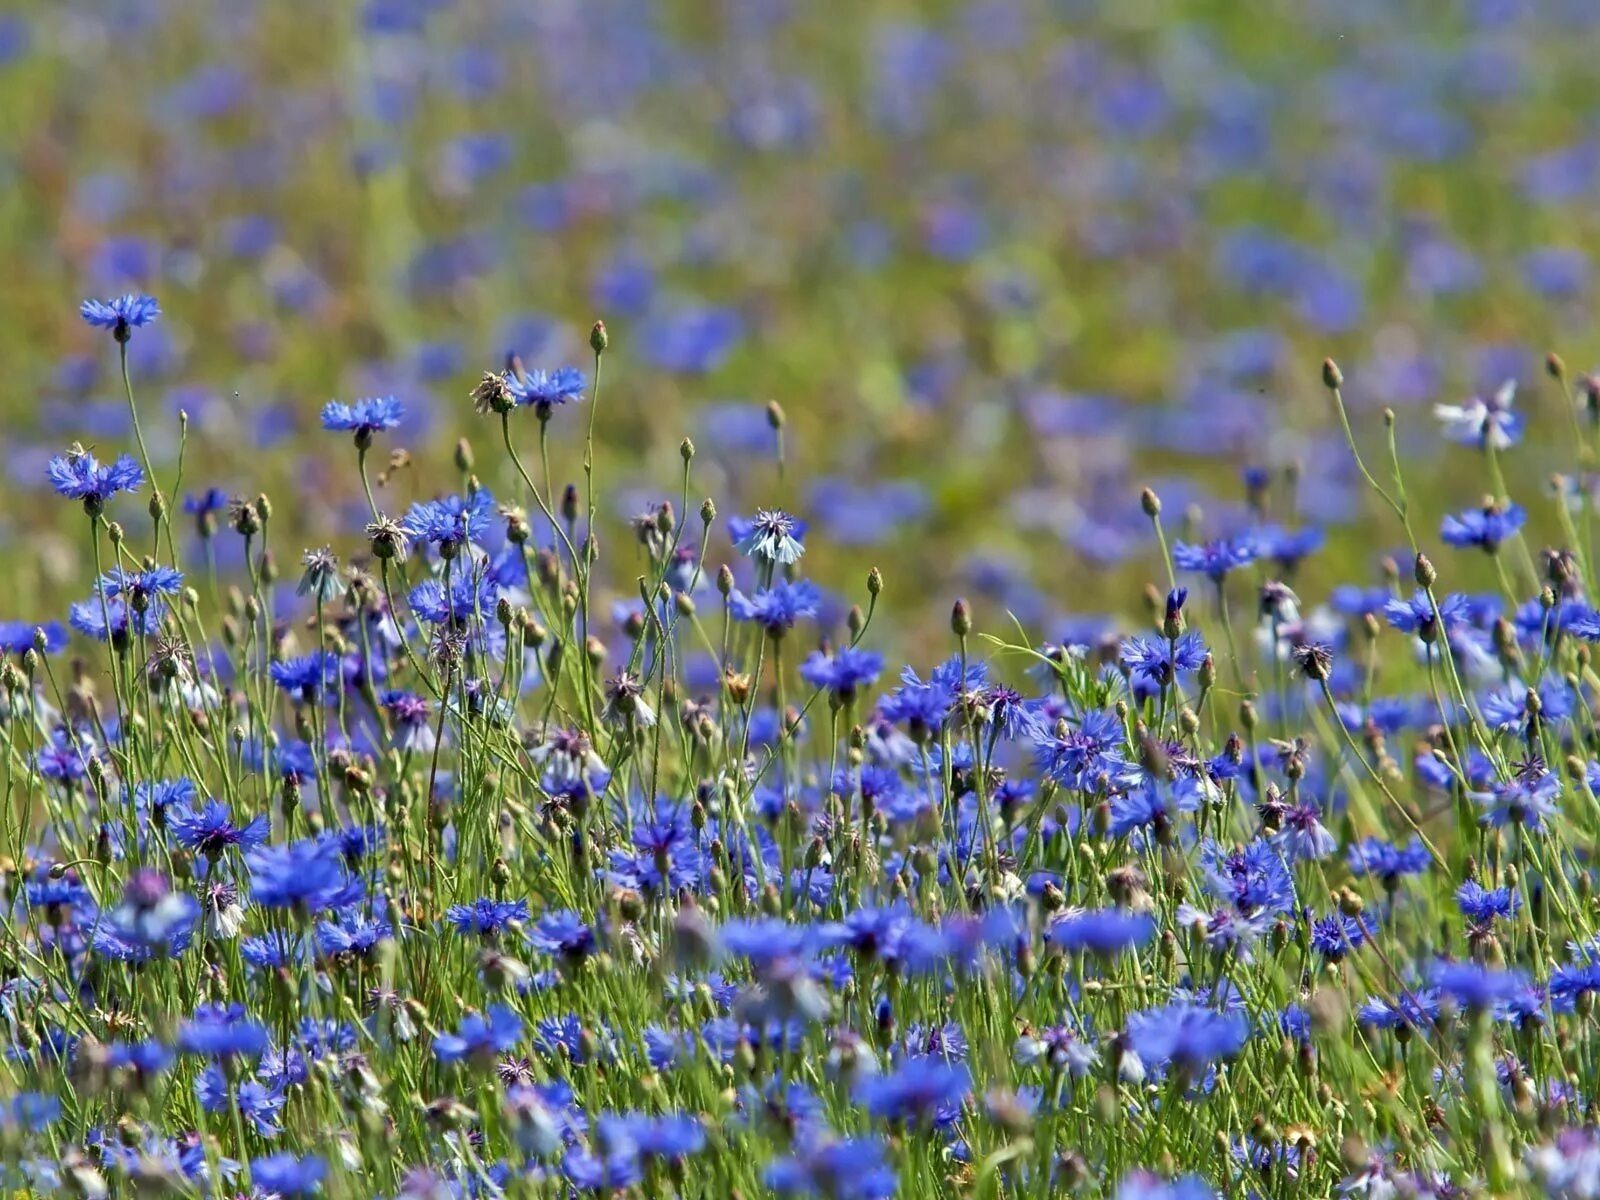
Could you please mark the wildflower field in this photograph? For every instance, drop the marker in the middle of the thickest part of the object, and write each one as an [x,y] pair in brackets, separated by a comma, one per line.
[665,598]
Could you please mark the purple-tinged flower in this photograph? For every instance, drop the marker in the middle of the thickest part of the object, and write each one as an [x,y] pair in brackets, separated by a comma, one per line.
[1160,660]
[1489,422]
[920,1091]
[364,418]
[1417,614]
[1482,905]
[122,314]
[283,1174]
[1186,1036]
[1528,799]
[563,934]
[777,608]
[1104,932]
[842,673]
[545,390]
[78,475]
[771,536]
[1216,558]
[1484,527]
[834,1168]
[481,1036]
[211,829]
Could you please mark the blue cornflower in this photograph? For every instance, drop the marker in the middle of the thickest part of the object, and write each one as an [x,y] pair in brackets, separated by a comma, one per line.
[449,522]
[609,1174]
[842,673]
[669,1138]
[18,637]
[204,506]
[777,608]
[1482,905]
[921,1090]
[1336,935]
[307,876]
[486,917]
[834,1168]
[544,390]
[1253,878]
[1215,558]
[1187,1036]
[140,587]
[1151,806]
[257,1103]
[113,620]
[1103,932]
[1303,836]
[480,1036]
[409,714]
[1158,660]
[1489,422]
[771,535]
[1484,527]
[220,1031]
[468,599]
[1528,799]
[306,678]
[122,314]
[922,707]
[285,1175]
[211,830]
[78,475]
[363,418]
[1390,864]
[1474,986]
[563,934]
[152,921]
[1286,547]
[1142,1185]
[1417,615]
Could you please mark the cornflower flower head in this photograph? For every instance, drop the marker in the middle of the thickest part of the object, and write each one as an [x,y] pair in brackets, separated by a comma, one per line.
[1529,799]
[375,414]
[1417,614]
[1482,906]
[485,917]
[1186,1036]
[824,1165]
[480,1036]
[777,608]
[320,578]
[1475,987]
[1490,422]
[451,522]
[921,1091]
[771,536]
[843,673]
[222,1032]
[78,475]
[544,391]
[1484,527]
[564,935]
[1216,558]
[121,314]
[1160,660]
[284,1174]
[212,831]
[1103,933]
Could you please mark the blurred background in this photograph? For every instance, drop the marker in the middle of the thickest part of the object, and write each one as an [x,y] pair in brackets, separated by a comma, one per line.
[1002,263]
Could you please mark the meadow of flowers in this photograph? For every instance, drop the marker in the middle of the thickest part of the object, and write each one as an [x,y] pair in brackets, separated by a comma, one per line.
[662,599]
